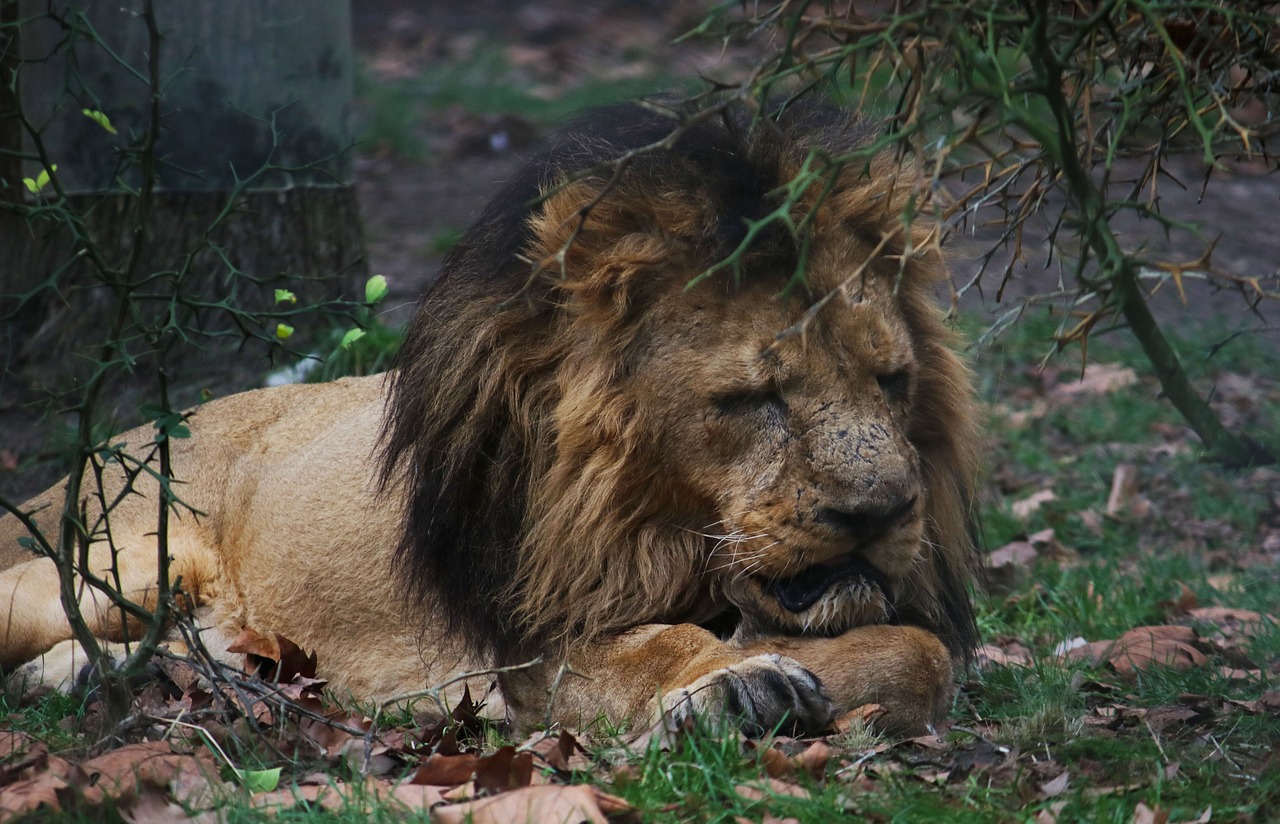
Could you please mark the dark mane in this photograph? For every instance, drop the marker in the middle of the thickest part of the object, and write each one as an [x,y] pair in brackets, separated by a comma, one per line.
[469,429]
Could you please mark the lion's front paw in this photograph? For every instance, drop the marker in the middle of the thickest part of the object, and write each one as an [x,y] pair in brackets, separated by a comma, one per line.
[760,693]
[64,668]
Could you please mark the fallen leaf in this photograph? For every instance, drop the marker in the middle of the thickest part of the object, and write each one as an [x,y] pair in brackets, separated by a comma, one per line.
[504,770]
[1124,502]
[151,763]
[549,803]
[814,759]
[859,718]
[561,753]
[1142,814]
[445,770]
[1025,508]
[1144,647]
[990,655]
[769,788]
[1232,622]
[1096,379]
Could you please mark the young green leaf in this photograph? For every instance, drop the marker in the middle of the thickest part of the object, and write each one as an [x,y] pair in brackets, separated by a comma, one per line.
[41,180]
[99,118]
[351,337]
[375,289]
[283,331]
[259,781]
[285,296]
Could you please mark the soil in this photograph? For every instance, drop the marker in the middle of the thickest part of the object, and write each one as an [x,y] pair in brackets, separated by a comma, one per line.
[408,203]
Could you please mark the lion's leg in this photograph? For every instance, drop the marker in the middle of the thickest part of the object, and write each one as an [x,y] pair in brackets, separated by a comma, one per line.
[32,620]
[671,671]
[906,670]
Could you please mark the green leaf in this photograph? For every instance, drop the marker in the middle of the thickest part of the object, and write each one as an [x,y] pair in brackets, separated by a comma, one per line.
[285,296]
[260,781]
[41,180]
[376,289]
[283,331]
[99,118]
[351,337]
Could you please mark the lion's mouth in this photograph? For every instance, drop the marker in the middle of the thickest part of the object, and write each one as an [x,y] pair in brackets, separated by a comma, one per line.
[804,589]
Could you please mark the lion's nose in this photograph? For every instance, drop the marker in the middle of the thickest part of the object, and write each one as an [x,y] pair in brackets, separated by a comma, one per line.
[867,521]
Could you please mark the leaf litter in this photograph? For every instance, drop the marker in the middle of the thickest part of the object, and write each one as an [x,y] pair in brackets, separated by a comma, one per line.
[199,744]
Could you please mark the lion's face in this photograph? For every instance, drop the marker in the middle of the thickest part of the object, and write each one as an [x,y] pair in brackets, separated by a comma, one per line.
[794,445]
[595,444]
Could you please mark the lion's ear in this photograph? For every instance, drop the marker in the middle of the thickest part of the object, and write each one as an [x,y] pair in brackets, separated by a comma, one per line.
[607,243]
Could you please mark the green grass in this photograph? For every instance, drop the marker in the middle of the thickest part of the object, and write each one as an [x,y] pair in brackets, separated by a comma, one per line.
[484,83]
[1007,721]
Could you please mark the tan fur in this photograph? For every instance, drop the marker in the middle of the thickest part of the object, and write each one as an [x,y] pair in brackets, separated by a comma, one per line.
[676,455]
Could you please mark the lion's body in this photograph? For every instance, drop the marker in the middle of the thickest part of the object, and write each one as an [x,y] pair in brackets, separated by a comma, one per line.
[594,463]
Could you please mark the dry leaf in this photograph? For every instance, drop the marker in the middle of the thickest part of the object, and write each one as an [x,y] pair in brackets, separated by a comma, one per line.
[1142,814]
[769,788]
[445,770]
[151,763]
[1145,647]
[504,770]
[1025,508]
[547,803]
[1097,379]
[990,655]
[859,718]
[1232,622]
[1124,502]
[814,759]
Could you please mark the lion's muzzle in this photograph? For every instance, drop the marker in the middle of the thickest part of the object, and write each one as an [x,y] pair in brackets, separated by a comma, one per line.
[801,591]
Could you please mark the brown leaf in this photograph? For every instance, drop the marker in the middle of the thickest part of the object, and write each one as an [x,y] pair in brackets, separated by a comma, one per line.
[1232,622]
[776,764]
[1124,502]
[504,770]
[417,797]
[1097,379]
[1055,787]
[769,788]
[990,655]
[1144,647]
[8,460]
[445,770]
[1025,508]
[549,803]
[859,717]
[45,791]
[21,756]
[274,659]
[561,753]
[123,771]
[814,759]
[1019,554]
[1142,814]
[252,642]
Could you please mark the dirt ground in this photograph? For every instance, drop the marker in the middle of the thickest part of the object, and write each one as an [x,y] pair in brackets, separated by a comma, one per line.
[409,203]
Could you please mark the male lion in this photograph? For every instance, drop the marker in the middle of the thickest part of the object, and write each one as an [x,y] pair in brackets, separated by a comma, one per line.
[717,498]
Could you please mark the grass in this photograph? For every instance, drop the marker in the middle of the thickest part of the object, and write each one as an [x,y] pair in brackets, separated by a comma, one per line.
[1014,728]
[482,83]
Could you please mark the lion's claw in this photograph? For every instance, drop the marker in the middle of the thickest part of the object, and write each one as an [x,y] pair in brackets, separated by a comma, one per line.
[759,693]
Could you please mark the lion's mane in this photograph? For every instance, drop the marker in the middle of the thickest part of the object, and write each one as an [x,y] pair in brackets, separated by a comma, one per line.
[534,513]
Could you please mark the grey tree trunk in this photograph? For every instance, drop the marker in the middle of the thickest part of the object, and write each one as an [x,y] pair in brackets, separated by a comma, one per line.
[255,89]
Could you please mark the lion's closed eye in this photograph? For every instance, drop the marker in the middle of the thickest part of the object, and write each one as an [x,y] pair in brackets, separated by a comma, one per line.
[750,400]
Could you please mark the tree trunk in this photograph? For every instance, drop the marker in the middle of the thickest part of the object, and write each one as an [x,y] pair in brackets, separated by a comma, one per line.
[251,89]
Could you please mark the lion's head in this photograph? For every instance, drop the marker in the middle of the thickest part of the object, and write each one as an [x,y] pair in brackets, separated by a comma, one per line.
[589,443]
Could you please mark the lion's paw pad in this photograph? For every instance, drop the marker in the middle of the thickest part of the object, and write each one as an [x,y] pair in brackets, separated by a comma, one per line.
[760,693]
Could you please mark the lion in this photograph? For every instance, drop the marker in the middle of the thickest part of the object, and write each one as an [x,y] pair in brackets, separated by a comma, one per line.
[613,487]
